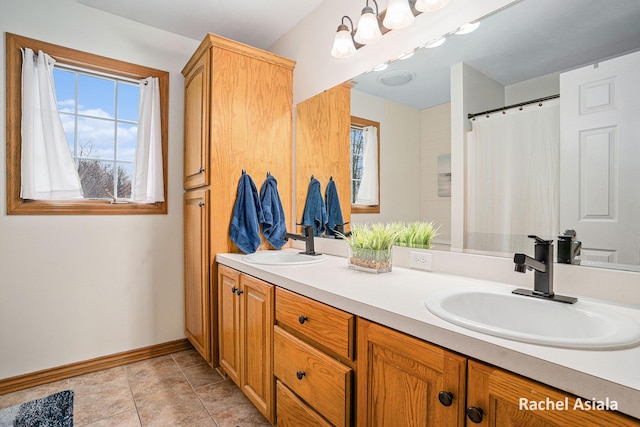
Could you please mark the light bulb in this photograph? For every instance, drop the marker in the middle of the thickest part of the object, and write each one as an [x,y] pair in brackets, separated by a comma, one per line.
[343,46]
[368,29]
[430,5]
[398,15]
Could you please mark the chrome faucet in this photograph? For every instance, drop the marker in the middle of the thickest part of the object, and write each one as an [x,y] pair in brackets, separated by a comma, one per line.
[542,265]
[306,236]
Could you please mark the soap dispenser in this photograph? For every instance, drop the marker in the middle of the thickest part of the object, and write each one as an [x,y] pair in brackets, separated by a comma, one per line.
[568,248]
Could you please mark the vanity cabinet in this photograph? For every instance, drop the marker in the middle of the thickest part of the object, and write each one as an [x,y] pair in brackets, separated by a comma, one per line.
[238,116]
[313,361]
[245,325]
[403,381]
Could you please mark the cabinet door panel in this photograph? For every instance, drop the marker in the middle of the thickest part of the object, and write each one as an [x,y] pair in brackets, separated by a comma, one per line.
[196,123]
[498,393]
[229,322]
[196,271]
[257,343]
[400,378]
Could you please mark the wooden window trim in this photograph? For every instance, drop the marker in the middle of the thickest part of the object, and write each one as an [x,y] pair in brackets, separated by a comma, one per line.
[362,209]
[18,206]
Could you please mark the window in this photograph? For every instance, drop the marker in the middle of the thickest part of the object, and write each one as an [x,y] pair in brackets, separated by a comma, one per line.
[358,172]
[98,105]
[100,116]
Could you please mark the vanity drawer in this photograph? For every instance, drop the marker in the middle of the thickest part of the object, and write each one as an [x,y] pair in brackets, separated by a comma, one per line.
[322,324]
[323,382]
[293,412]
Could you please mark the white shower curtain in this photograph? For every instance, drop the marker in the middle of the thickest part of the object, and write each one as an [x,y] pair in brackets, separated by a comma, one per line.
[47,167]
[368,190]
[148,182]
[513,178]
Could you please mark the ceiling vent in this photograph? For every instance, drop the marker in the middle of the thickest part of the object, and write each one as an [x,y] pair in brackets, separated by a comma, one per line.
[396,77]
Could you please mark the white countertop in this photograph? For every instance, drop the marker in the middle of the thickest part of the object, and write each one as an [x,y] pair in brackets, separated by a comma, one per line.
[396,299]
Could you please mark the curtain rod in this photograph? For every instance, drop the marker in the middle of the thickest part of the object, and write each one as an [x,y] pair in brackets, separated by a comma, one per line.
[495,110]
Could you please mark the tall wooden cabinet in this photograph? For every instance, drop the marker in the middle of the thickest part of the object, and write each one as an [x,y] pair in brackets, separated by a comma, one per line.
[238,116]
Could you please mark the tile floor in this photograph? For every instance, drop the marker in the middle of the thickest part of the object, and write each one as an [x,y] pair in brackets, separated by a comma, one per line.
[175,390]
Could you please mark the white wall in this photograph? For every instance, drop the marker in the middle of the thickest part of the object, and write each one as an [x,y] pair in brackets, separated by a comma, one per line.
[78,287]
[535,88]
[435,140]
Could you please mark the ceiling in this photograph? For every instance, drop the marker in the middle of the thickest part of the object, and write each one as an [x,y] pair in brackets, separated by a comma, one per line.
[256,23]
[528,39]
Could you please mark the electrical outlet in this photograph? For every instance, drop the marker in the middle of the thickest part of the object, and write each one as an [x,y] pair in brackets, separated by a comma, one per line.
[421,260]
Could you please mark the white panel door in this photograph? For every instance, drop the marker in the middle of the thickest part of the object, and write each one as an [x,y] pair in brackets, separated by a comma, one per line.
[600,158]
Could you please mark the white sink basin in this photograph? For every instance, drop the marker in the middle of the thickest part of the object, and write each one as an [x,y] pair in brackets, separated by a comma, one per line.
[498,312]
[282,258]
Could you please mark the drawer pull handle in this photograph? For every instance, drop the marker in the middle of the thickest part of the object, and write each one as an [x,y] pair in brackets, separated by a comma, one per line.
[445,398]
[474,414]
[302,319]
[300,374]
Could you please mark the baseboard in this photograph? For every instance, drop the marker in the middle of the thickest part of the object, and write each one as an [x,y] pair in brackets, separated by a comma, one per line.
[45,376]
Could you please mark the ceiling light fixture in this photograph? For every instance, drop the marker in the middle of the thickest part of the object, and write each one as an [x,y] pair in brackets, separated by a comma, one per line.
[343,46]
[468,28]
[398,15]
[368,26]
[381,67]
[406,55]
[435,43]
[430,5]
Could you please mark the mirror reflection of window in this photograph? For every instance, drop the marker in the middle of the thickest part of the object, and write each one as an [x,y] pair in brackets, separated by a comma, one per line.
[365,165]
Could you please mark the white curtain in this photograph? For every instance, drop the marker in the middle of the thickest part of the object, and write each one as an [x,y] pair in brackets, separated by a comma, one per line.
[368,190]
[148,183]
[47,167]
[513,178]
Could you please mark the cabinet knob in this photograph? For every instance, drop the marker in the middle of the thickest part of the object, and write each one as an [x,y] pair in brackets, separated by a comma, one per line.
[201,204]
[474,414]
[234,289]
[445,398]
[302,319]
[200,170]
[300,374]
[239,292]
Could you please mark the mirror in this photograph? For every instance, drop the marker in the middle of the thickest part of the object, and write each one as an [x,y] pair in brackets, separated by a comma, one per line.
[524,48]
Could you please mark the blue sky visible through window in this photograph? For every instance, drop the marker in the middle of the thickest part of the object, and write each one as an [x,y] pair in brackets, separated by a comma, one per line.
[99,116]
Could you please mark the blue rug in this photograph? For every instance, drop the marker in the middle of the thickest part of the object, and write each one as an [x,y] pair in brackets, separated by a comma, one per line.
[51,411]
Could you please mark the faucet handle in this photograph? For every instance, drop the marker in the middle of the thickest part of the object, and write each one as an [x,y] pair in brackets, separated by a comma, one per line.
[540,241]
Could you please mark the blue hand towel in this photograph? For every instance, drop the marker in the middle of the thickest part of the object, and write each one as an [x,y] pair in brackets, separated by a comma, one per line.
[334,213]
[315,212]
[244,229]
[274,225]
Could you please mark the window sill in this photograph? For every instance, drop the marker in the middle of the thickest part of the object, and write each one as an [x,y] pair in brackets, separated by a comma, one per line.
[84,207]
